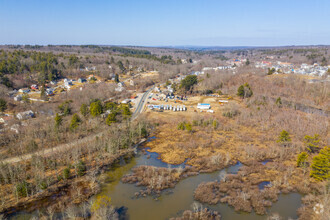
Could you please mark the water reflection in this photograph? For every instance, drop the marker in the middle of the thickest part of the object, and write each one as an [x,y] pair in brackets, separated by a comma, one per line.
[174,201]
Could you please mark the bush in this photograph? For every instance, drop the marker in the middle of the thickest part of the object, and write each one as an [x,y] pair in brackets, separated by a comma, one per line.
[271,71]
[43,185]
[32,146]
[59,177]
[278,101]
[26,98]
[23,189]
[81,168]
[144,132]
[188,127]
[181,126]
[66,173]
[215,124]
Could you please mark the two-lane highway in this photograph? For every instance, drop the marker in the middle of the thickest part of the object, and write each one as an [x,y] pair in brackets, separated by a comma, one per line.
[140,105]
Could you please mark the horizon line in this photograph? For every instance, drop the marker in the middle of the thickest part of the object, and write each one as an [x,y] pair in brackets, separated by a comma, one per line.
[173,46]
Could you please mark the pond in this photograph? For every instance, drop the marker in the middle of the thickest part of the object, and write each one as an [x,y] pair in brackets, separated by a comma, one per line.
[173,202]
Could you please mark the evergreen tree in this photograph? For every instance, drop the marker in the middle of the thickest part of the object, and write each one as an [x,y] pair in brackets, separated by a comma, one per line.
[81,168]
[3,105]
[73,59]
[112,60]
[240,91]
[284,137]
[43,95]
[110,106]
[302,159]
[188,82]
[111,118]
[117,78]
[121,66]
[66,173]
[58,120]
[244,91]
[95,108]
[312,143]
[321,165]
[125,111]
[84,110]
[75,121]
[65,107]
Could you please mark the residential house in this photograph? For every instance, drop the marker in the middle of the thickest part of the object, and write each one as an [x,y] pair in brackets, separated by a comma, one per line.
[93,68]
[67,83]
[18,98]
[34,87]
[81,80]
[25,115]
[203,106]
[24,90]
[50,91]
[120,87]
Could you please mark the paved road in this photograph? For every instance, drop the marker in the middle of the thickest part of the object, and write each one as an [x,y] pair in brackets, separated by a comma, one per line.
[62,147]
[141,104]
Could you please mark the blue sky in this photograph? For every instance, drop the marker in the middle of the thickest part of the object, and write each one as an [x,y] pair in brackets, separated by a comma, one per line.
[166,23]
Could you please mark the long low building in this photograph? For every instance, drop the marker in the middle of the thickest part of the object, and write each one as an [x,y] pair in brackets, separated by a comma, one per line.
[203,106]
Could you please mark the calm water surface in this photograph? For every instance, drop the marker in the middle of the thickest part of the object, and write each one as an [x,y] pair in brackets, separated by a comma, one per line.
[172,202]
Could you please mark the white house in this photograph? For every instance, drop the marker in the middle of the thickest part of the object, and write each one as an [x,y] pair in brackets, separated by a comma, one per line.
[24,90]
[203,106]
[18,98]
[25,115]
[120,87]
